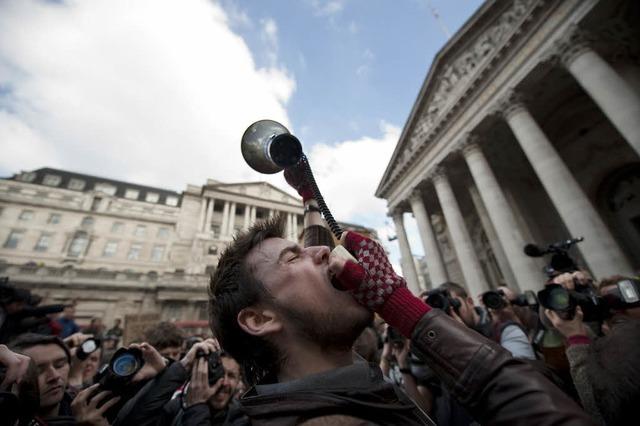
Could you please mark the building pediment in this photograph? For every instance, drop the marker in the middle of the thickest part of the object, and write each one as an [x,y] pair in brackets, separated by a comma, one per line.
[454,71]
[262,190]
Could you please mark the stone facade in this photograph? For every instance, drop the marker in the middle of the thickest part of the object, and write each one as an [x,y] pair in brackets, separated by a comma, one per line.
[526,130]
[119,248]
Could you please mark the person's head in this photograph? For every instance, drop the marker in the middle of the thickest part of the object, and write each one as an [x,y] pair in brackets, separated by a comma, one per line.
[167,338]
[229,383]
[613,369]
[69,311]
[269,295]
[608,285]
[467,308]
[117,322]
[52,358]
[110,341]
[91,365]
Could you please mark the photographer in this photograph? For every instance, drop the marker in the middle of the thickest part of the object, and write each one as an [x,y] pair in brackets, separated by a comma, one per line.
[605,371]
[501,325]
[199,402]
[52,360]
[167,338]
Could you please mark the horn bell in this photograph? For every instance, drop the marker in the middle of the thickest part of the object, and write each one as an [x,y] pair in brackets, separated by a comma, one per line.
[268,147]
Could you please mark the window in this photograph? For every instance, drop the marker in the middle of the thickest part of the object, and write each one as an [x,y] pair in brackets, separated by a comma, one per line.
[134,251]
[54,219]
[106,188]
[152,197]
[76,184]
[110,249]
[27,177]
[87,221]
[140,231]
[131,194]
[43,242]
[78,245]
[26,215]
[163,232]
[157,253]
[95,204]
[51,180]
[14,239]
[172,201]
[117,227]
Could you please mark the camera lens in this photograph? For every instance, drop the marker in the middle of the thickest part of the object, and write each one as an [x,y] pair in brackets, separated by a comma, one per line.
[559,299]
[493,300]
[125,365]
[436,300]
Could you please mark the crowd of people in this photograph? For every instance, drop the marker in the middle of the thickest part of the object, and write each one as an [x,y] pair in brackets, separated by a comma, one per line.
[302,335]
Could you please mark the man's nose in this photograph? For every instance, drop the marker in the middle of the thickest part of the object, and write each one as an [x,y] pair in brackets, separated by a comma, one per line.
[52,374]
[320,254]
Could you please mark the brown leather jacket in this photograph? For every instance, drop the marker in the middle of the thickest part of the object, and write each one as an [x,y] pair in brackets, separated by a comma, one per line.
[496,388]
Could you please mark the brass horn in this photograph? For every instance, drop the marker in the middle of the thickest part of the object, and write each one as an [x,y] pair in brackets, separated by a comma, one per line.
[268,147]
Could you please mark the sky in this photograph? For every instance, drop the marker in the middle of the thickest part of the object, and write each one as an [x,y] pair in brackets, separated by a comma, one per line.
[159,92]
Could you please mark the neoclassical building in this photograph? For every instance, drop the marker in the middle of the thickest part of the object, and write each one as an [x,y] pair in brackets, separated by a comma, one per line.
[526,130]
[120,248]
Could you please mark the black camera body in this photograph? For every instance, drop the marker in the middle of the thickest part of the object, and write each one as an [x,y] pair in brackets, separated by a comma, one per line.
[564,301]
[214,365]
[496,299]
[117,374]
[440,298]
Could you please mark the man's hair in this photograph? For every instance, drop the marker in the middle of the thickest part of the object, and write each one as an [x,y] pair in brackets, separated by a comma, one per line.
[29,340]
[233,288]
[455,288]
[164,335]
[613,368]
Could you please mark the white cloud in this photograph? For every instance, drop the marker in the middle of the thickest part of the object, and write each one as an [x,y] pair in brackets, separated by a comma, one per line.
[152,91]
[327,7]
[348,174]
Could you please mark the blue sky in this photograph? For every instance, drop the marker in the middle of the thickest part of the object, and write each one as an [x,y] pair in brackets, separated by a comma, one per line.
[159,92]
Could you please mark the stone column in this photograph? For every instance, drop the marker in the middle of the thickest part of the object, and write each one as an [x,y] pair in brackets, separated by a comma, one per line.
[294,217]
[225,220]
[524,268]
[599,248]
[435,265]
[209,216]
[247,217]
[254,209]
[462,245]
[289,227]
[616,98]
[492,236]
[201,216]
[232,219]
[406,258]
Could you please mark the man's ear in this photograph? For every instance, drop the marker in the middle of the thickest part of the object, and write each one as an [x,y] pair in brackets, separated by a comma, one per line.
[259,321]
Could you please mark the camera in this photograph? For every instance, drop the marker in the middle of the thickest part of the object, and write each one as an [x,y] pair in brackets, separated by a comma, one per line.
[441,299]
[564,302]
[214,365]
[87,347]
[117,374]
[560,260]
[495,299]
[394,337]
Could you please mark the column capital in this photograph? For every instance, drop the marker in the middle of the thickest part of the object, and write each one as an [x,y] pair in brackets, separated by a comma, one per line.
[573,43]
[416,194]
[437,174]
[469,144]
[395,212]
[511,103]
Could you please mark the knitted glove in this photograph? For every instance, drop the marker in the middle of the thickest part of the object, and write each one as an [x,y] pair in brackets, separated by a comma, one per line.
[297,179]
[374,284]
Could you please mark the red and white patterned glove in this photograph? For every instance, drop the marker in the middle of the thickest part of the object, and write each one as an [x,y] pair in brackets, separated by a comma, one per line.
[297,179]
[375,285]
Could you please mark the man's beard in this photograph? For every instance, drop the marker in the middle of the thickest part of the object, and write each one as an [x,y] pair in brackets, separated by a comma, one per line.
[328,329]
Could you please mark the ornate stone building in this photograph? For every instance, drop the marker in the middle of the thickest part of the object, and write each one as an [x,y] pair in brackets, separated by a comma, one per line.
[120,248]
[526,129]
